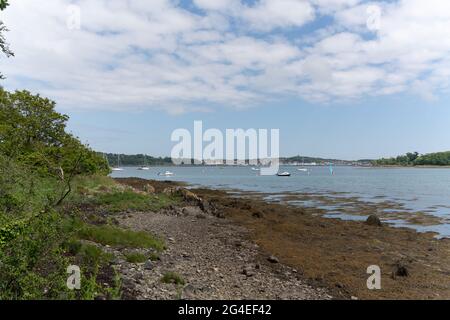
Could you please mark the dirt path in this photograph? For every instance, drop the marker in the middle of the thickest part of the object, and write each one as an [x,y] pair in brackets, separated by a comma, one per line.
[215,259]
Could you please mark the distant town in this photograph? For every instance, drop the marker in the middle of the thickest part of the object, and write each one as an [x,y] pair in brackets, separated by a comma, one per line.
[141,159]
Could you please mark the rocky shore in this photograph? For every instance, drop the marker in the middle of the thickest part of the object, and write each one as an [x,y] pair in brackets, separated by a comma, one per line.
[222,247]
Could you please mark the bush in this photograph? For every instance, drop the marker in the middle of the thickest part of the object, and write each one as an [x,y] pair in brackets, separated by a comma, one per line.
[172,277]
[135,257]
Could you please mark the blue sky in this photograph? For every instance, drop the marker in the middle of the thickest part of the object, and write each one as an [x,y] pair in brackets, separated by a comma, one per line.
[340,78]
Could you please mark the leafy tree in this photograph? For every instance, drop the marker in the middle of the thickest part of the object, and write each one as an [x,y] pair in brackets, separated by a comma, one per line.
[34,134]
[414,159]
[3,4]
[4,47]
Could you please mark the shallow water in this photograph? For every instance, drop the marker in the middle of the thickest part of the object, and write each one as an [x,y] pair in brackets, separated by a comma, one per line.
[397,190]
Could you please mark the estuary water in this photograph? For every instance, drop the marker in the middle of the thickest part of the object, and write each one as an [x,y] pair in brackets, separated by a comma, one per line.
[418,198]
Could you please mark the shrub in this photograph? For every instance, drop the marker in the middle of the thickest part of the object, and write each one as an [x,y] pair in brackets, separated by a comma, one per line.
[135,257]
[172,277]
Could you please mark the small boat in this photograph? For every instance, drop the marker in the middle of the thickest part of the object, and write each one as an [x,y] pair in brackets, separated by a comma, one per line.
[166,174]
[118,168]
[284,174]
[256,169]
[144,165]
[303,169]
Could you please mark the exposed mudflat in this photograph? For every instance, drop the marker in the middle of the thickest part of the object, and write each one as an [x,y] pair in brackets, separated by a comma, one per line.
[223,254]
[336,253]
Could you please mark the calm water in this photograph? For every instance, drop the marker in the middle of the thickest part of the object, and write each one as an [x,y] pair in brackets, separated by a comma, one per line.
[412,190]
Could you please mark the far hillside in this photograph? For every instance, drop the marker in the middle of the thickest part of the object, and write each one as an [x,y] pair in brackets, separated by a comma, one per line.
[414,159]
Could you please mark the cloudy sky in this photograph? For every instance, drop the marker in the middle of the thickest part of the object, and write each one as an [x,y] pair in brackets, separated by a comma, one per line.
[342,78]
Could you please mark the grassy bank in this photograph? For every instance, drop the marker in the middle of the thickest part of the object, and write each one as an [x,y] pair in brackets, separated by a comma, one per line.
[39,240]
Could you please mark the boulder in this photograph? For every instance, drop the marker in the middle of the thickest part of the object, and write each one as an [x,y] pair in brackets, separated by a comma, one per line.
[273,259]
[148,265]
[373,220]
[258,215]
[149,189]
[400,270]
[192,211]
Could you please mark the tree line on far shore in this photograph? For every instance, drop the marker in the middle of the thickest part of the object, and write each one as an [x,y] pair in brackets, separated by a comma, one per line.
[415,159]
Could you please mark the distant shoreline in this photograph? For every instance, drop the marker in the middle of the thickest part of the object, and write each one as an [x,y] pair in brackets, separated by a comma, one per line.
[412,167]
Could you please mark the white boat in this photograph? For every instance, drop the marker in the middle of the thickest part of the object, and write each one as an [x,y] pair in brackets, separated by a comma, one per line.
[144,166]
[256,169]
[166,174]
[118,168]
[284,174]
[303,170]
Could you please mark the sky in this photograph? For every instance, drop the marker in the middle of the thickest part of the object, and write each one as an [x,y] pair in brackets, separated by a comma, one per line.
[347,79]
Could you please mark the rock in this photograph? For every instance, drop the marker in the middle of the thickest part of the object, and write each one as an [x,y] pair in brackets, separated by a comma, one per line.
[373,220]
[200,216]
[248,271]
[190,196]
[100,297]
[400,271]
[186,194]
[273,259]
[191,211]
[148,265]
[171,190]
[354,298]
[188,292]
[258,215]
[149,188]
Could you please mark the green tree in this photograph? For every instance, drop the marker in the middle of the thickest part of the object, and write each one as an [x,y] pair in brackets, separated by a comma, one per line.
[34,134]
[3,4]
[4,47]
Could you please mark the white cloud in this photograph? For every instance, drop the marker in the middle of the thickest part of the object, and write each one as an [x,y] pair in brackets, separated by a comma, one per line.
[269,14]
[132,55]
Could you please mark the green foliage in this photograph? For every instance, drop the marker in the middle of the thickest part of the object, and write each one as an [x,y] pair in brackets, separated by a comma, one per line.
[4,47]
[138,160]
[414,159]
[434,159]
[3,4]
[34,134]
[172,277]
[113,236]
[119,201]
[22,192]
[135,257]
[32,266]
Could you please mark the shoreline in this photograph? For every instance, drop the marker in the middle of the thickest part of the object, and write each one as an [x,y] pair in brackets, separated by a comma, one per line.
[334,254]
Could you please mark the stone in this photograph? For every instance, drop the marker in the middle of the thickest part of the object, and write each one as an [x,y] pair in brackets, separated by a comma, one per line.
[188,292]
[149,188]
[148,265]
[191,211]
[401,271]
[200,216]
[273,259]
[248,271]
[258,215]
[373,220]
